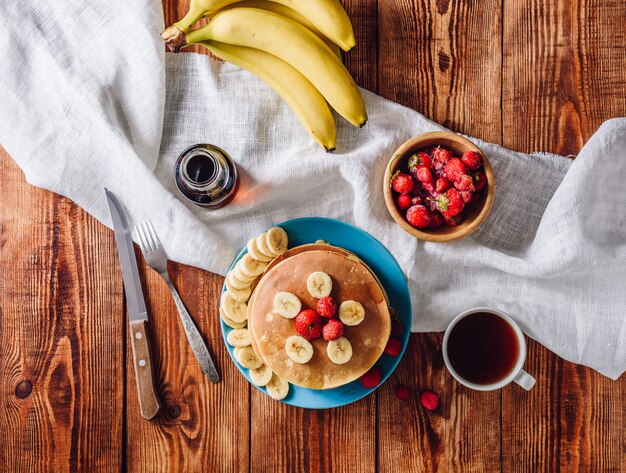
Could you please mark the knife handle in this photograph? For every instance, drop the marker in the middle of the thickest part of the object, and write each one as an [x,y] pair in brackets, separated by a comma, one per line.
[149,403]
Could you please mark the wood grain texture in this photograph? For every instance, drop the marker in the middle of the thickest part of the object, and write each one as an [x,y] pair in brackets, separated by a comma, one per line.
[529,75]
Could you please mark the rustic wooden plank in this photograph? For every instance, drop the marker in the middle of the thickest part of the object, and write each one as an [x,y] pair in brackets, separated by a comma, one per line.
[441,58]
[61,315]
[202,426]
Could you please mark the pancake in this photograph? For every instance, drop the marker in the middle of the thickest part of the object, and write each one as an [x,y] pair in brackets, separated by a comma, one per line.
[351,280]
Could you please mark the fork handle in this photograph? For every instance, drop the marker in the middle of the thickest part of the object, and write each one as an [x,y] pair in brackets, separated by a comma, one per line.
[194,338]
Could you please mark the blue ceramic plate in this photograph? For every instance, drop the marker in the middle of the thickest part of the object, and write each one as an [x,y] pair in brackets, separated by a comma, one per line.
[378,258]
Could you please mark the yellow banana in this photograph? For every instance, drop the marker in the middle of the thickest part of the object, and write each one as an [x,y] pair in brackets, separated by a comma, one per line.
[303,98]
[328,16]
[294,44]
[287,12]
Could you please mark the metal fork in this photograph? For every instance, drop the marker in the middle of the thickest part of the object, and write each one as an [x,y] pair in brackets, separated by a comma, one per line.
[157,259]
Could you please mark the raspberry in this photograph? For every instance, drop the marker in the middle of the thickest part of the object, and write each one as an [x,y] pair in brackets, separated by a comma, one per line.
[397,328]
[309,324]
[480,180]
[416,200]
[371,379]
[403,201]
[467,196]
[402,183]
[451,203]
[429,400]
[327,307]
[402,392]
[465,183]
[442,184]
[393,347]
[472,160]
[436,220]
[332,330]
[420,159]
[429,187]
[423,174]
[455,169]
[440,157]
[418,216]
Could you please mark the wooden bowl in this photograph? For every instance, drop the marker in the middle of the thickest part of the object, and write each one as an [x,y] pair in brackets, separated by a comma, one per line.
[472,217]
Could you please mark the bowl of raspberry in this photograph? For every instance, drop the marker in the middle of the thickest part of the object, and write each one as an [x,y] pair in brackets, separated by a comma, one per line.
[439,186]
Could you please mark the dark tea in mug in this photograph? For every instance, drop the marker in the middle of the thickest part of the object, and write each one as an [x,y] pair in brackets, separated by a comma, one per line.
[483,348]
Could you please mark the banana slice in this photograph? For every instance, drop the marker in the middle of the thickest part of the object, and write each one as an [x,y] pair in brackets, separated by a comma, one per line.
[261,376]
[287,304]
[230,322]
[248,359]
[351,312]
[239,338]
[239,276]
[237,283]
[261,244]
[253,250]
[339,351]
[250,267]
[299,349]
[278,388]
[277,240]
[234,310]
[241,295]
[319,284]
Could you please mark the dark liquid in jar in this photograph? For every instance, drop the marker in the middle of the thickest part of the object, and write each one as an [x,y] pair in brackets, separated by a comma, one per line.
[483,348]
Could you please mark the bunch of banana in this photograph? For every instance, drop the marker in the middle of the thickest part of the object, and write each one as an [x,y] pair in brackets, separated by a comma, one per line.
[292,45]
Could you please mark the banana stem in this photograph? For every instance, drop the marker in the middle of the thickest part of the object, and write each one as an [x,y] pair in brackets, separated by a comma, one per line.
[174,36]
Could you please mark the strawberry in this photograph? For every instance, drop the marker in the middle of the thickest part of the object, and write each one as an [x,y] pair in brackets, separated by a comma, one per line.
[420,159]
[429,400]
[454,169]
[480,180]
[436,220]
[396,328]
[332,330]
[440,157]
[465,183]
[441,185]
[402,392]
[371,379]
[402,183]
[467,196]
[393,347]
[472,160]
[309,324]
[452,221]
[451,203]
[418,216]
[403,201]
[423,174]
[327,307]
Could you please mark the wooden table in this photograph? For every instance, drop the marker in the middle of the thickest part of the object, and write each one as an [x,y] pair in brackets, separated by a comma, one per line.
[532,75]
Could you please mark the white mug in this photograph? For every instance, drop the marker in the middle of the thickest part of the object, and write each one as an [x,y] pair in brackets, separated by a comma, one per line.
[517,374]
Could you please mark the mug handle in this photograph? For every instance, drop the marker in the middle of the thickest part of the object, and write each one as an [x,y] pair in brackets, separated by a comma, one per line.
[525,380]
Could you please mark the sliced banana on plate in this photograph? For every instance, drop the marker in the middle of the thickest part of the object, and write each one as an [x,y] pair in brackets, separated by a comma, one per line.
[299,349]
[339,351]
[237,351]
[287,304]
[249,267]
[233,281]
[253,250]
[278,388]
[248,359]
[234,310]
[277,241]
[241,295]
[261,376]
[261,244]
[351,312]
[239,337]
[319,284]
[230,322]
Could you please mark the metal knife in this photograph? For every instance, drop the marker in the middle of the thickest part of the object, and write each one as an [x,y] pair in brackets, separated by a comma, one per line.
[149,403]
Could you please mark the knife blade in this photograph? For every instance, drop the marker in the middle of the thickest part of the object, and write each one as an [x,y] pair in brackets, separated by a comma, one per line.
[149,403]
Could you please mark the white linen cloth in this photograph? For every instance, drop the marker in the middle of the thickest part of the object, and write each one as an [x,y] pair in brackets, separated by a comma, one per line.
[89,99]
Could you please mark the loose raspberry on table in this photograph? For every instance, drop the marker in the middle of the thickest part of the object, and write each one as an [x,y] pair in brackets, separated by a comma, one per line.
[403,201]
[472,160]
[309,324]
[332,330]
[402,183]
[436,220]
[454,169]
[327,307]
[418,216]
[429,400]
[451,203]
[465,183]
[371,379]
[441,185]
[393,347]
[402,392]
[420,159]
[480,179]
